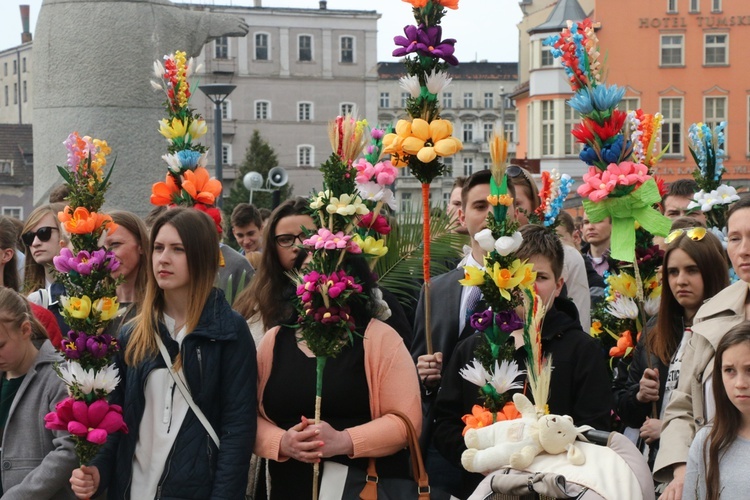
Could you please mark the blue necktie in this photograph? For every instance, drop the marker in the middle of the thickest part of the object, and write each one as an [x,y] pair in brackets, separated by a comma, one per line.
[475,295]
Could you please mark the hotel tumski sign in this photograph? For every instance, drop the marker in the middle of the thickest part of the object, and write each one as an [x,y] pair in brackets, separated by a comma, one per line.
[699,21]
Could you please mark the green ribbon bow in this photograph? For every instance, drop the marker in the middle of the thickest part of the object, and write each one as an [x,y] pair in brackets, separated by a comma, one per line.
[625,211]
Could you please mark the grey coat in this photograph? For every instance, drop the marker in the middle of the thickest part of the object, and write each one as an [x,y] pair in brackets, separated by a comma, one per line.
[37,462]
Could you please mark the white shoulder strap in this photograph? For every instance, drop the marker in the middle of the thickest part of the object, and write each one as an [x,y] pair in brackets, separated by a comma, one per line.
[186,393]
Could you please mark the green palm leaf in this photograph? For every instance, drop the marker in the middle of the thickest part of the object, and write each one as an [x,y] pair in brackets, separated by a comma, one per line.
[400,270]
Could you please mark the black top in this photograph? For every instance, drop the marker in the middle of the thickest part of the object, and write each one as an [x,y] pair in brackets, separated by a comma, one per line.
[290,393]
[579,386]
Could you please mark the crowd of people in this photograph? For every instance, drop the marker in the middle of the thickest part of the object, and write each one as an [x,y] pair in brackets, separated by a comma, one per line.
[219,397]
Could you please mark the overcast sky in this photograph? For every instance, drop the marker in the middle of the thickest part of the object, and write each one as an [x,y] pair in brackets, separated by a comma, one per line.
[485,29]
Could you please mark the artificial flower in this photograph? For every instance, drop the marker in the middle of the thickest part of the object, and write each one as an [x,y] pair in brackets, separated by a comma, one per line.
[346,205]
[410,83]
[472,276]
[215,215]
[430,44]
[485,240]
[197,128]
[429,140]
[371,246]
[378,224]
[505,279]
[76,307]
[503,378]
[479,417]
[373,191]
[624,345]
[172,130]
[437,81]
[475,373]
[407,44]
[81,221]
[94,422]
[623,308]
[596,328]
[508,321]
[481,321]
[164,193]
[627,173]
[107,307]
[88,381]
[597,185]
[506,245]
[383,173]
[201,188]
[393,143]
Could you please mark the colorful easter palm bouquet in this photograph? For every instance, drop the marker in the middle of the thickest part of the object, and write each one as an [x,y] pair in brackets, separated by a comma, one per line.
[89,304]
[713,199]
[188,183]
[502,281]
[423,140]
[621,150]
[348,214]
[555,189]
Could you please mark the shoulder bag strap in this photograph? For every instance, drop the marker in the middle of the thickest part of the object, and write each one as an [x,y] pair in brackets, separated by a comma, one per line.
[418,470]
[186,393]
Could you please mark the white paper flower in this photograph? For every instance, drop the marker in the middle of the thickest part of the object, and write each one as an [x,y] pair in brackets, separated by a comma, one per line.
[651,306]
[437,81]
[156,85]
[410,84]
[727,194]
[173,163]
[158,70]
[504,376]
[721,234]
[506,245]
[623,308]
[485,240]
[106,380]
[475,373]
[705,201]
[88,381]
[373,191]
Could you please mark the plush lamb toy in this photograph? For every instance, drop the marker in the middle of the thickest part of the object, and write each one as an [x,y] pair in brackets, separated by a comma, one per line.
[517,442]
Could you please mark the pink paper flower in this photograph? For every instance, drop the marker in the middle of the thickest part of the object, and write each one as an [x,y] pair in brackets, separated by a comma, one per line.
[628,173]
[384,173]
[327,240]
[597,185]
[93,422]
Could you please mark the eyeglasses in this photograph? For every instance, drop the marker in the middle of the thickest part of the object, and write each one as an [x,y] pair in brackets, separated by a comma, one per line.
[287,240]
[43,233]
[694,233]
[514,171]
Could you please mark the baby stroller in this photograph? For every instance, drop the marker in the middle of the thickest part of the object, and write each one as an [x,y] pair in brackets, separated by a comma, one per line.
[614,470]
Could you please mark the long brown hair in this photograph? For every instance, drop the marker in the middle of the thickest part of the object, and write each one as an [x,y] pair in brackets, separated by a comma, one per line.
[15,309]
[201,241]
[711,260]
[267,287]
[8,240]
[728,419]
[33,274]
[133,224]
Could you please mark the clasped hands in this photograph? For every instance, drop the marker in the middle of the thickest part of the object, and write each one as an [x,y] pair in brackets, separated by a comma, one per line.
[308,442]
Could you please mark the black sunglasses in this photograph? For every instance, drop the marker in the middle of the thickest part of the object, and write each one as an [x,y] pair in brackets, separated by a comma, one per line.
[43,233]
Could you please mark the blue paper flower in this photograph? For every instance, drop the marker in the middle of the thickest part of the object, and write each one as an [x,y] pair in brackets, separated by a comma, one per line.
[582,102]
[607,96]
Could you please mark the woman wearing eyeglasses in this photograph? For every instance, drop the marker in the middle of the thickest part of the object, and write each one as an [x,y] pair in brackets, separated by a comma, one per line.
[266,303]
[694,270]
[691,404]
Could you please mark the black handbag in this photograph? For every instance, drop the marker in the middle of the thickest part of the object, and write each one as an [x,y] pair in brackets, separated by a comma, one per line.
[340,482]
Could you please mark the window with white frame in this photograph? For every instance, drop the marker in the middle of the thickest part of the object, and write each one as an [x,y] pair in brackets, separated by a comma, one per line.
[404,97]
[347,49]
[715,49]
[695,6]
[446,198]
[510,132]
[671,129]
[486,162]
[468,100]
[447,100]
[715,111]
[221,48]
[468,166]
[629,104]
[6,167]
[15,67]
[672,50]
[304,48]
[25,96]
[547,59]
[15,93]
[23,65]
[488,128]
[468,132]
[304,111]
[6,95]
[447,161]
[262,110]
[226,154]
[715,5]
[571,120]
[548,128]
[304,155]
[671,6]
[405,201]
[385,100]
[489,100]
[346,108]
[15,212]
[226,109]
[262,47]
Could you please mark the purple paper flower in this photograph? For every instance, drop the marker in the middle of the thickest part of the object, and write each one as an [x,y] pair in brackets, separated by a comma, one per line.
[508,321]
[97,346]
[481,321]
[85,262]
[75,345]
[408,44]
[430,44]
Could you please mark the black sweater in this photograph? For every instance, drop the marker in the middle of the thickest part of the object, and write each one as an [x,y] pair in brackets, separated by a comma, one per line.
[579,387]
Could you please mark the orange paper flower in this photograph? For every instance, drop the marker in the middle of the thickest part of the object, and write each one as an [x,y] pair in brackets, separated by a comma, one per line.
[481,417]
[623,347]
[81,221]
[162,193]
[451,4]
[200,186]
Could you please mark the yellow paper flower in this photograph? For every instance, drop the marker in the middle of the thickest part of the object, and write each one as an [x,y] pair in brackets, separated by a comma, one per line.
[622,283]
[472,276]
[393,143]
[107,307]
[371,246]
[172,130]
[197,129]
[506,279]
[596,328]
[76,307]
[526,271]
[429,140]
[346,205]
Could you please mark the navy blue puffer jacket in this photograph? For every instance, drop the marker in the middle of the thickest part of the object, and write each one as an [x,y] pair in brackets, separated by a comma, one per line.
[219,365]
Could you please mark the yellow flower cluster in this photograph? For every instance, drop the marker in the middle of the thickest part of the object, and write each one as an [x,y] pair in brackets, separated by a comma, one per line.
[81,307]
[177,128]
[419,138]
[503,199]
[182,91]
[519,274]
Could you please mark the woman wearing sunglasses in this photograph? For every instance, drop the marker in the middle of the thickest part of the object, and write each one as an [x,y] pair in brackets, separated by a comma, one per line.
[691,404]
[694,269]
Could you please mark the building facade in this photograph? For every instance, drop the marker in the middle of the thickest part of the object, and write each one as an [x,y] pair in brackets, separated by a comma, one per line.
[16,170]
[476,102]
[15,85]
[296,70]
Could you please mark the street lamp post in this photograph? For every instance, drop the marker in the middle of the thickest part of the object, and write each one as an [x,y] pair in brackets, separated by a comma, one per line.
[502,109]
[218,92]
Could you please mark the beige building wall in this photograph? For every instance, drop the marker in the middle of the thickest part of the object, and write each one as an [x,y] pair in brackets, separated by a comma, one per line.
[15,85]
